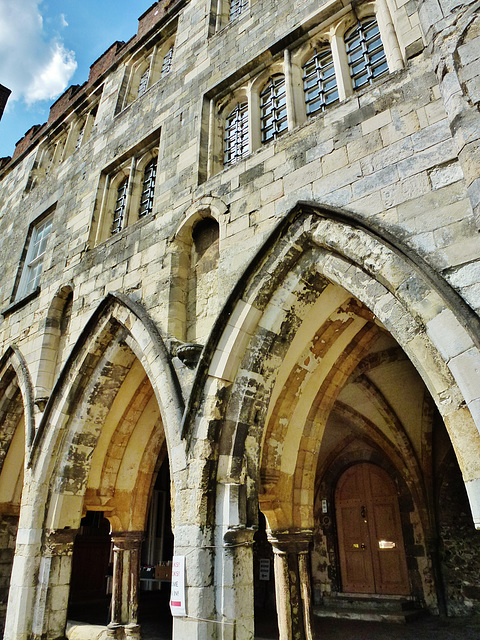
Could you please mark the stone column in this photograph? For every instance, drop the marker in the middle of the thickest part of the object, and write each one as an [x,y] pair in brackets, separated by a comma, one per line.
[293,584]
[236,587]
[126,576]
[50,617]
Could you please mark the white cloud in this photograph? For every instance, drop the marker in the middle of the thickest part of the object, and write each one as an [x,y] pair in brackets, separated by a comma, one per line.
[32,64]
[63,20]
[52,79]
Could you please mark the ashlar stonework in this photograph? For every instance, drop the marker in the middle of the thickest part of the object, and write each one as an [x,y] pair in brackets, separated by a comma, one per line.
[240,294]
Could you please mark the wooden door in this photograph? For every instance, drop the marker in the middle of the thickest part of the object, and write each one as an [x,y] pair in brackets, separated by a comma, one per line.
[372,553]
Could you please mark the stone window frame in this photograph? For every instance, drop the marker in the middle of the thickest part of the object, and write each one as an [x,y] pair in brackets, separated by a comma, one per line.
[225,15]
[54,150]
[331,34]
[181,262]
[51,153]
[131,167]
[25,286]
[149,63]
[82,127]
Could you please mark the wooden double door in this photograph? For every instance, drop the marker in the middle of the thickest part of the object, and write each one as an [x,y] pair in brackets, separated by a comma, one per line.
[372,552]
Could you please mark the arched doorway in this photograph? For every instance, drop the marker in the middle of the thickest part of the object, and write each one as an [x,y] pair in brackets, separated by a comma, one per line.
[16,422]
[90,585]
[127,457]
[334,344]
[98,449]
[370,539]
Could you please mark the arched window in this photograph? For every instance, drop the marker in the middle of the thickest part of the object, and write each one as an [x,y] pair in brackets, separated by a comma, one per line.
[237,7]
[120,206]
[273,108]
[167,62]
[143,82]
[365,52]
[319,81]
[236,134]
[148,188]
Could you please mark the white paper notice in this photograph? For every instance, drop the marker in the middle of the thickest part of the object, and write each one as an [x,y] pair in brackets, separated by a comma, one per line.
[177,594]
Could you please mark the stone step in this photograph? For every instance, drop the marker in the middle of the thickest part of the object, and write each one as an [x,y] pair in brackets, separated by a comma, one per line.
[368,616]
[396,609]
[381,603]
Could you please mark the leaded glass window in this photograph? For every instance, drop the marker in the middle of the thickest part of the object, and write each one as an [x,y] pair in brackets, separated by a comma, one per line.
[148,187]
[167,62]
[273,108]
[237,7]
[81,134]
[120,207]
[236,134]
[319,81]
[143,84]
[366,56]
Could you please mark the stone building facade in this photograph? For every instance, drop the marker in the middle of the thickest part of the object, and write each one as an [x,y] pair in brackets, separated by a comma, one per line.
[240,285]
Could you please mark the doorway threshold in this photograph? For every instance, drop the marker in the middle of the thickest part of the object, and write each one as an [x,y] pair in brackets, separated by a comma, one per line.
[368,607]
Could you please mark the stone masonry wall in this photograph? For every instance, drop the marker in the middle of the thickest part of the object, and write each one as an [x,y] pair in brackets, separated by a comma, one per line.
[388,154]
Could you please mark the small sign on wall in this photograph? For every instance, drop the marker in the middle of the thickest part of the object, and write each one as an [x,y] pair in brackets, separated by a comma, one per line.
[177,594]
[264,573]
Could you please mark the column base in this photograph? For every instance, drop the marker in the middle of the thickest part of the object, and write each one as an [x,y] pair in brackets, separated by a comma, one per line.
[114,631]
[132,631]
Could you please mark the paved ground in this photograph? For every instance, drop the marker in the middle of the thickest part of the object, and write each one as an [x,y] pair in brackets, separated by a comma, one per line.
[157,627]
[428,628]
[157,623]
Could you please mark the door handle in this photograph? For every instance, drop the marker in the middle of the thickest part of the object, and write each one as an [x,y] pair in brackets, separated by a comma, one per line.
[363,546]
[363,512]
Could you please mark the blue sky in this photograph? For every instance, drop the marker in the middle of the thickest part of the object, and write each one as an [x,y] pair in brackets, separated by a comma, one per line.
[47,45]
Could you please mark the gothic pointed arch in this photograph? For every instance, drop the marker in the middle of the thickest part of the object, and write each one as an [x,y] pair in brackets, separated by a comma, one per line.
[114,412]
[322,299]
[14,371]
[116,315]
[16,434]
[322,267]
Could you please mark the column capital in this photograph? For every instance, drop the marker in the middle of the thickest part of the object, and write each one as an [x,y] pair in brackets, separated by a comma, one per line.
[290,541]
[127,540]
